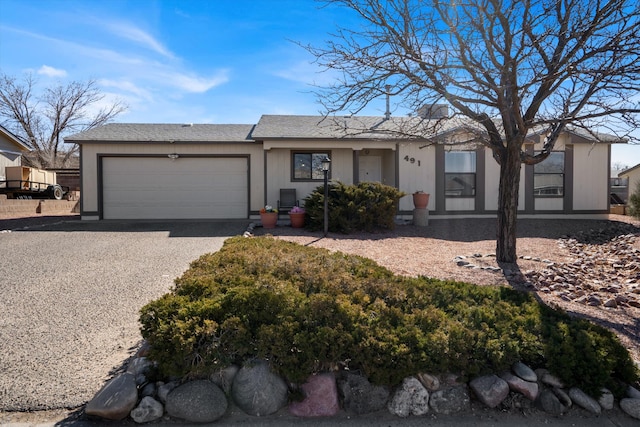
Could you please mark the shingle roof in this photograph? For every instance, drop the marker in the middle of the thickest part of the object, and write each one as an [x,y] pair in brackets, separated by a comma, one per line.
[358,127]
[137,132]
[298,127]
[372,127]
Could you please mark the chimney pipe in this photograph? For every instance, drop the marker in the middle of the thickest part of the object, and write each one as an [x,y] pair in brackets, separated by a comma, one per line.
[387,113]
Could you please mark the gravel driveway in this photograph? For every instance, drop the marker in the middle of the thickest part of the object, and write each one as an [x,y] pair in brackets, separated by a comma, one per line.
[70,292]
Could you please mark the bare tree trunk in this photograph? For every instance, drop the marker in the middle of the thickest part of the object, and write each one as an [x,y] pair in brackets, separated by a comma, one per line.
[508,204]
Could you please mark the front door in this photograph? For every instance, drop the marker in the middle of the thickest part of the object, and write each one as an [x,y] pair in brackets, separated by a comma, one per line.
[370,169]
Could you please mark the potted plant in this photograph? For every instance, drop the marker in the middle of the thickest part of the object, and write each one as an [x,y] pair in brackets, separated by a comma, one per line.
[296,215]
[420,199]
[268,216]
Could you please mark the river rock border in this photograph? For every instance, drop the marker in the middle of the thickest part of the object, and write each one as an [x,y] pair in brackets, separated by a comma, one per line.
[257,390]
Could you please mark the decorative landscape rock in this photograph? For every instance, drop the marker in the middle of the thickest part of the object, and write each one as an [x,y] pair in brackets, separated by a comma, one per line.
[148,410]
[526,388]
[430,382]
[631,406]
[149,390]
[606,400]
[139,366]
[360,396]
[164,389]
[633,392]
[450,400]
[321,397]
[490,389]
[411,398]
[604,271]
[258,391]
[549,402]
[197,401]
[581,399]
[563,397]
[116,399]
[548,378]
[224,377]
[524,372]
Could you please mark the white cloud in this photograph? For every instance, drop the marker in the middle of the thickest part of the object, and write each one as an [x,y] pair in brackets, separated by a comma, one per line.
[306,72]
[197,84]
[127,86]
[48,71]
[135,34]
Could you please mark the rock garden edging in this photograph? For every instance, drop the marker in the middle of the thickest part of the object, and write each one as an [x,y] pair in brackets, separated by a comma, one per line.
[257,391]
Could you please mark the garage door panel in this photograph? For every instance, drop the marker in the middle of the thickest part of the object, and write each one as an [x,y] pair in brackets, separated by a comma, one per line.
[161,188]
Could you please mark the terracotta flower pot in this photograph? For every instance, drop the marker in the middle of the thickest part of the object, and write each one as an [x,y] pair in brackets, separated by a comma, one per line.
[420,200]
[297,219]
[269,219]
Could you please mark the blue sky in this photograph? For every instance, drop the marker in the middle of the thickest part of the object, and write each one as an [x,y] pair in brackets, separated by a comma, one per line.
[189,61]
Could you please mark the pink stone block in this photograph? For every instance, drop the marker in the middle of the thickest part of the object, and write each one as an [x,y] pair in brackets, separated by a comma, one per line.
[321,397]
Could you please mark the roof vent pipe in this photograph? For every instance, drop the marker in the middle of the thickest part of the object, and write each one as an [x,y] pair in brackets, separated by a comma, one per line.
[387,113]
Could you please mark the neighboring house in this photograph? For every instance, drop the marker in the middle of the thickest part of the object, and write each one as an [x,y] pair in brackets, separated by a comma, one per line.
[145,171]
[632,175]
[11,150]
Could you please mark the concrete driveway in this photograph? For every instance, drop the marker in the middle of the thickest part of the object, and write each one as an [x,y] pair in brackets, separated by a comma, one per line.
[70,292]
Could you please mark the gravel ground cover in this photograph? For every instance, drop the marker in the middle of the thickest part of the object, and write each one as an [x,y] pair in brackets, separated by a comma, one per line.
[70,295]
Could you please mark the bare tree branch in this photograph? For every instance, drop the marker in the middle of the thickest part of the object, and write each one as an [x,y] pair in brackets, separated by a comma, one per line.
[44,120]
[511,67]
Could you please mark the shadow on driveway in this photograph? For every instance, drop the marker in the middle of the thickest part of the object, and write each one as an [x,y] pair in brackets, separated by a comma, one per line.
[174,228]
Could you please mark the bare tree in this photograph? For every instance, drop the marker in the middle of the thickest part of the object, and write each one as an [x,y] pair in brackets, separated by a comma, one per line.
[509,67]
[43,120]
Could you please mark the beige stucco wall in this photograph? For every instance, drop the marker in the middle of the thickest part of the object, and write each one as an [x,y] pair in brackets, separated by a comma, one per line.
[416,172]
[9,155]
[634,179]
[90,153]
[492,183]
[590,176]
[278,171]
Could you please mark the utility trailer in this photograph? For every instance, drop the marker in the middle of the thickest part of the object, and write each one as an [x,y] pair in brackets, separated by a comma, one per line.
[23,182]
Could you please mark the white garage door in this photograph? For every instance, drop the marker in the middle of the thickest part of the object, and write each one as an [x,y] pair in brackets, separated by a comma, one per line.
[184,188]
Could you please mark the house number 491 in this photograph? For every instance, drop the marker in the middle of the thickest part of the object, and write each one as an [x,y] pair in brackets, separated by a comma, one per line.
[411,160]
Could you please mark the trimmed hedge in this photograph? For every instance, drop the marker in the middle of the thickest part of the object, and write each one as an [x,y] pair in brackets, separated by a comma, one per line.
[308,310]
[366,206]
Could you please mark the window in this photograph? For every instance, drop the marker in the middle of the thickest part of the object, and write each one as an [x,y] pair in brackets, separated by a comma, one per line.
[548,176]
[308,166]
[460,173]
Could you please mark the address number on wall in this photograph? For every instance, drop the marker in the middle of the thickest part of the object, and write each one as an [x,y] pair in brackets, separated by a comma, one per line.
[412,160]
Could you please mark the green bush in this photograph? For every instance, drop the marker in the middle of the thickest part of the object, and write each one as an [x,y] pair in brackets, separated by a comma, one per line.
[634,202]
[366,206]
[308,310]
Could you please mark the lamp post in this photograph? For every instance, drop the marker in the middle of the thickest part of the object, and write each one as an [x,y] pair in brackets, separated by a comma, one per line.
[326,163]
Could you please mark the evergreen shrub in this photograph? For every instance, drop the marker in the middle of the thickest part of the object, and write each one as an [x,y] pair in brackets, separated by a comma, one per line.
[308,310]
[366,206]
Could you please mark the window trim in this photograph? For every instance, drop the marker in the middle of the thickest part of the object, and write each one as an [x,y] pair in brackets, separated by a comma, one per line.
[311,152]
[474,174]
[561,174]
